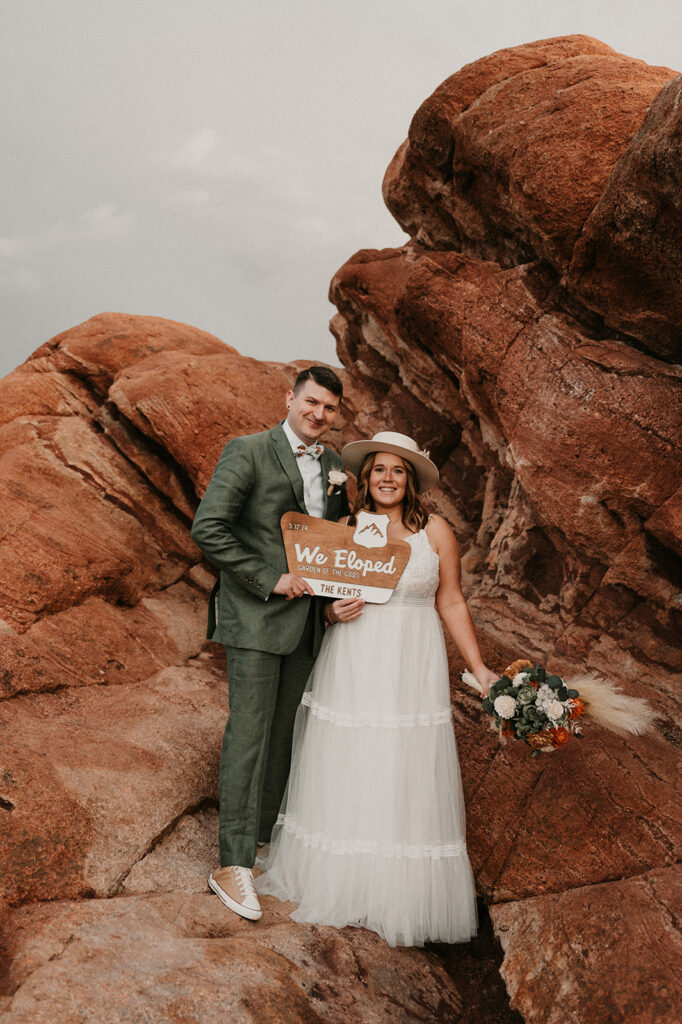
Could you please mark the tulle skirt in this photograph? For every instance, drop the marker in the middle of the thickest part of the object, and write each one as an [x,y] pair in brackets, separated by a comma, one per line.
[372,828]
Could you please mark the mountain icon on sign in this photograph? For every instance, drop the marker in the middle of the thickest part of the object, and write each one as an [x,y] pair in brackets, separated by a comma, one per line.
[371,530]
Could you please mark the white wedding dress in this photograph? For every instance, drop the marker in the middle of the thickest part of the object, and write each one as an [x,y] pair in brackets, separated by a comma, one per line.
[372,825]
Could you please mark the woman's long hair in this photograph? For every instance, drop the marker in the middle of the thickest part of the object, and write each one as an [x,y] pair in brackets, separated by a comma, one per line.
[414,515]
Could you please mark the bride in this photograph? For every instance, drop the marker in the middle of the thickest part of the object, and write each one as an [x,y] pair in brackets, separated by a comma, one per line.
[372,829]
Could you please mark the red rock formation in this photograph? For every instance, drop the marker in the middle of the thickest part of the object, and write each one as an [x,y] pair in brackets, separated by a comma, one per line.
[590,954]
[627,261]
[566,449]
[179,957]
[526,154]
[530,321]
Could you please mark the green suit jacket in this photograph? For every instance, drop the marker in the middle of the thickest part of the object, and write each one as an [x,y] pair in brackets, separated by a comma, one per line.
[237,526]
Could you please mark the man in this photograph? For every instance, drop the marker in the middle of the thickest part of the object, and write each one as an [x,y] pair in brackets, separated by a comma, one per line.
[266,616]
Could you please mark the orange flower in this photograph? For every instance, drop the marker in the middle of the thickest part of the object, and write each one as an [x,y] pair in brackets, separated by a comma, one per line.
[516,666]
[540,741]
[577,708]
[559,736]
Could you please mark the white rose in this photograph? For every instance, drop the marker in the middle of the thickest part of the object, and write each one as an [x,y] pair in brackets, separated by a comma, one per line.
[335,478]
[505,706]
[555,709]
[520,678]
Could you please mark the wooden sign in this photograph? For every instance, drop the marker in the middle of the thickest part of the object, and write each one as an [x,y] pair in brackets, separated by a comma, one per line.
[345,561]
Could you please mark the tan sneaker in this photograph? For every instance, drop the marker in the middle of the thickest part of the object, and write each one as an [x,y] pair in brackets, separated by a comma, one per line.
[234,886]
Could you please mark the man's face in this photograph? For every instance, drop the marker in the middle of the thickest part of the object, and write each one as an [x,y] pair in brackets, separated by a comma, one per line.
[311,411]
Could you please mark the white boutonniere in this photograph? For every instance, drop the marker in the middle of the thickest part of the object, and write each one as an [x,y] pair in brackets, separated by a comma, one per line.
[335,479]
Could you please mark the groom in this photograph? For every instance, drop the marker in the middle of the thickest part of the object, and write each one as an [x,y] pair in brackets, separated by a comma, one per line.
[267,618]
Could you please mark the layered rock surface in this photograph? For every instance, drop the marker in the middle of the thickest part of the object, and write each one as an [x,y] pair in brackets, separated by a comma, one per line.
[561,150]
[181,957]
[532,321]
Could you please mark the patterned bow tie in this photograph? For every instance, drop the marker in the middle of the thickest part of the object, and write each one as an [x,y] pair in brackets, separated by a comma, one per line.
[315,450]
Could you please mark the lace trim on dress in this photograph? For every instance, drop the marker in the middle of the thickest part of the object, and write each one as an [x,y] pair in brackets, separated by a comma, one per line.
[344,846]
[438,717]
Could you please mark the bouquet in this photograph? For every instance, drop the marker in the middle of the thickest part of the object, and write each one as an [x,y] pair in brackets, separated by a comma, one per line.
[529,703]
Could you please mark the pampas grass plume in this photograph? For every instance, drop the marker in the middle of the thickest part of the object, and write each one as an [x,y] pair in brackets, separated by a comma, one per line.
[608,707]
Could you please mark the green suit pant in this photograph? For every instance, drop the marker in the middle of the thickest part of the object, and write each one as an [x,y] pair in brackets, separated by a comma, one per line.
[265,691]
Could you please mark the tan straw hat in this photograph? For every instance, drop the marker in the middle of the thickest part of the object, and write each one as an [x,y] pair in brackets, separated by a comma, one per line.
[353,455]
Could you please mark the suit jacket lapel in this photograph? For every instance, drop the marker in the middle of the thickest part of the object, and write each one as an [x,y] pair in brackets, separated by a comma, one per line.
[287,460]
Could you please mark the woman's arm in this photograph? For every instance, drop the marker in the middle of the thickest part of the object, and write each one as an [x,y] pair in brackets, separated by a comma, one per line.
[451,604]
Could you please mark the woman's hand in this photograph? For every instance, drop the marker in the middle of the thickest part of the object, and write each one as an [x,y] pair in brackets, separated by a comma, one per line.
[486,678]
[344,610]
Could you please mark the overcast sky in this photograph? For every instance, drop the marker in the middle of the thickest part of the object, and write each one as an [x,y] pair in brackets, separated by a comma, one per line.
[215,161]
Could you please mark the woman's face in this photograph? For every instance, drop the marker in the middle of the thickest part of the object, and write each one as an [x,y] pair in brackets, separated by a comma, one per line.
[387,481]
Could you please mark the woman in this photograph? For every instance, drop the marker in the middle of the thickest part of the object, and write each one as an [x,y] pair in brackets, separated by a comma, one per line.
[372,825]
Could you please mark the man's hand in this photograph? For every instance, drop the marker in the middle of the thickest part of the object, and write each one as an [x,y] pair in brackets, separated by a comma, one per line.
[289,586]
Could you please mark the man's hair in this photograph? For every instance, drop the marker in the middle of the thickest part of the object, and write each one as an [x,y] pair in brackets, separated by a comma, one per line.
[323,376]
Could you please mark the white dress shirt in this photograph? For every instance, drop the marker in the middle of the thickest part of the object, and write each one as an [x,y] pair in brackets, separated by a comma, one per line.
[311,474]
